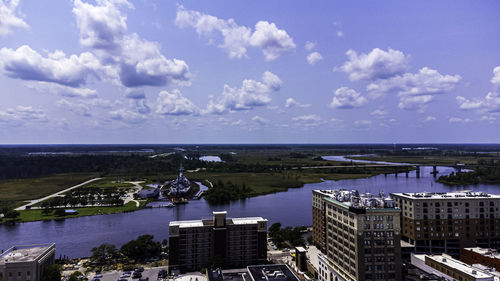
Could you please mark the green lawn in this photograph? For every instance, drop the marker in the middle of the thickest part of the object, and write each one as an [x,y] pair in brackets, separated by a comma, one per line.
[36,215]
[13,191]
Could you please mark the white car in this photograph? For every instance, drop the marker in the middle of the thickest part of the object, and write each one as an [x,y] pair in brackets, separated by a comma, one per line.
[125,275]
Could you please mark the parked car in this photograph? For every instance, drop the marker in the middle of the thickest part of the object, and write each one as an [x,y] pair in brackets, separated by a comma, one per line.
[125,274]
[122,279]
[97,275]
[162,273]
[144,279]
[140,269]
[137,274]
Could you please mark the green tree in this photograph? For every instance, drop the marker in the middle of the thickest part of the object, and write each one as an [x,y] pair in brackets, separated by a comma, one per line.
[52,273]
[104,253]
[275,227]
[76,276]
[11,214]
[143,248]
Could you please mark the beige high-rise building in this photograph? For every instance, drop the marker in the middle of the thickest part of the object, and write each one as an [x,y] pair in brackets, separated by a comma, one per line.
[26,262]
[229,242]
[446,222]
[359,235]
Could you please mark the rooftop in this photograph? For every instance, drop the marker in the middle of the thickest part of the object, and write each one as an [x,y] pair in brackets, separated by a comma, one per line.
[24,253]
[228,275]
[354,199]
[491,253]
[456,264]
[210,222]
[271,272]
[466,194]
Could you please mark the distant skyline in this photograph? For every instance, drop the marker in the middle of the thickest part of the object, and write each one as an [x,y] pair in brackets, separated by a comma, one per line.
[117,71]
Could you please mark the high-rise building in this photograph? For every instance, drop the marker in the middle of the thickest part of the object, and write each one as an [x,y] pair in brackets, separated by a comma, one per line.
[26,262]
[359,235]
[446,222]
[227,242]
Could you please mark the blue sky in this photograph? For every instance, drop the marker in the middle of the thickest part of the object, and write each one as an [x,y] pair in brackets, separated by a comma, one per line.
[112,71]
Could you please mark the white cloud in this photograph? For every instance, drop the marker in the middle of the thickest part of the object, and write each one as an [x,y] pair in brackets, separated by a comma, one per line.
[273,41]
[20,115]
[338,26]
[362,123]
[311,117]
[415,103]
[174,103]
[251,94]
[101,26]
[340,34]
[496,76]
[314,57]
[490,103]
[128,116]
[260,120]
[430,119]
[309,45]
[345,97]
[66,91]
[26,64]
[136,62]
[290,102]
[10,18]
[459,120]
[378,113]
[378,64]
[77,108]
[238,123]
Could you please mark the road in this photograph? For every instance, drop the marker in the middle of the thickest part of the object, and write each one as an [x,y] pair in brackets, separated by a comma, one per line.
[130,196]
[55,194]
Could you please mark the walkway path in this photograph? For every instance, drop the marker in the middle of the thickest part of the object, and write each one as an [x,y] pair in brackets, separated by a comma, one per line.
[131,195]
[55,194]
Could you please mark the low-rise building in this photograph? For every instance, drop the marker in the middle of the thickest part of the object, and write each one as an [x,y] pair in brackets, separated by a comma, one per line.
[26,262]
[267,272]
[232,242]
[445,266]
[484,256]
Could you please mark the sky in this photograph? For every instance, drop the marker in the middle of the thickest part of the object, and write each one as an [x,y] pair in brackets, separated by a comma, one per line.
[118,71]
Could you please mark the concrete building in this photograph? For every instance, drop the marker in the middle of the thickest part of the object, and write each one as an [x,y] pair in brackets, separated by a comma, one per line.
[359,234]
[445,266]
[483,256]
[231,242]
[268,272]
[26,262]
[301,259]
[446,222]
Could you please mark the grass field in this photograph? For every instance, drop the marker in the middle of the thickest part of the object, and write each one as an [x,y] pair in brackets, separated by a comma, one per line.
[14,192]
[108,183]
[36,215]
[427,160]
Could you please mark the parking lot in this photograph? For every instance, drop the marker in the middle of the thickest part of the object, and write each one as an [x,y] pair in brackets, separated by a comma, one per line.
[151,273]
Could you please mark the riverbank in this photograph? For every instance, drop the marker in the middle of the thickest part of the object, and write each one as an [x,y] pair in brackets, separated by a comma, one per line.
[38,215]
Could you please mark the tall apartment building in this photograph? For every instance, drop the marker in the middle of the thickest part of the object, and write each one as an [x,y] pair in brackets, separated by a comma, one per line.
[446,222]
[359,235]
[233,242]
[26,262]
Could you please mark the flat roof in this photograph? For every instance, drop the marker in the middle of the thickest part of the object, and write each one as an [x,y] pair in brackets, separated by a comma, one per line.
[272,272]
[205,222]
[456,264]
[24,253]
[491,253]
[466,194]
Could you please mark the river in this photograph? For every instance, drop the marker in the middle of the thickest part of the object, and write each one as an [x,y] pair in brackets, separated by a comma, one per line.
[76,237]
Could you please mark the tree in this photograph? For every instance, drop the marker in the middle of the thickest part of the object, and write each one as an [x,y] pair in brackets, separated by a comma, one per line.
[104,253]
[60,212]
[52,273]
[76,276]
[11,214]
[275,227]
[143,248]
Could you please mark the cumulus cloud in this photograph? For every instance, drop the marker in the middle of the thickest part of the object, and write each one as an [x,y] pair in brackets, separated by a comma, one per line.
[128,116]
[459,120]
[259,120]
[490,103]
[174,103]
[21,115]
[290,102]
[309,45]
[10,18]
[378,64]
[345,97]
[267,36]
[416,89]
[313,58]
[26,64]
[251,94]
[311,117]
[136,61]
[378,113]
[66,91]
[496,76]
[430,119]
[77,108]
